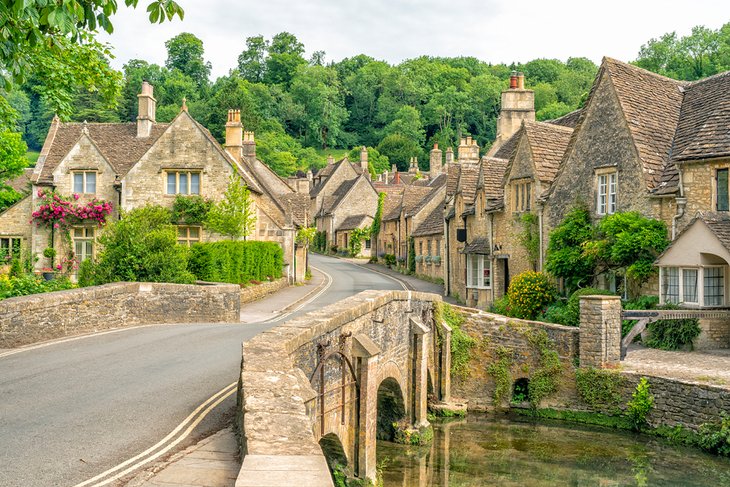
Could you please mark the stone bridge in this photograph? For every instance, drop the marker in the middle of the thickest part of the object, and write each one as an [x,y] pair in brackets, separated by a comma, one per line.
[324,386]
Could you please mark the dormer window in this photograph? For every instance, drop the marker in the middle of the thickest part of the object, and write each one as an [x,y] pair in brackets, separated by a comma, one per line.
[606,193]
[84,182]
[522,191]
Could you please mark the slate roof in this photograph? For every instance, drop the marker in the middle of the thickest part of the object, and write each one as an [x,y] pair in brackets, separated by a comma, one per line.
[433,224]
[493,170]
[548,143]
[392,201]
[479,245]
[567,120]
[296,205]
[651,104]
[719,224]
[505,151]
[703,131]
[468,181]
[452,179]
[352,222]
[117,142]
[410,199]
[21,184]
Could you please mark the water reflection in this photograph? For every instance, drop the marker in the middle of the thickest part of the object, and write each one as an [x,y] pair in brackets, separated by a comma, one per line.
[487,450]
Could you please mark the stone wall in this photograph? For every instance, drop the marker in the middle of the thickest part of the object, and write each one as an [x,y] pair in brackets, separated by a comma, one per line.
[29,319]
[250,294]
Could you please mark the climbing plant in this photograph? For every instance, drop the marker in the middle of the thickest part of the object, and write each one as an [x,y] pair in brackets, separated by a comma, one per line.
[530,237]
[545,380]
[461,342]
[599,388]
[375,226]
[500,372]
[354,243]
[411,255]
[190,210]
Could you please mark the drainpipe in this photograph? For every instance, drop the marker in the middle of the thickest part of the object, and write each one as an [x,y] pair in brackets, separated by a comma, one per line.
[540,209]
[447,260]
[491,243]
[681,204]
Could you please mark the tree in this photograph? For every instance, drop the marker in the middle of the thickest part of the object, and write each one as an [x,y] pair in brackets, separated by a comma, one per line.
[565,258]
[185,54]
[284,59]
[252,61]
[235,215]
[399,150]
[407,123]
[12,164]
[377,162]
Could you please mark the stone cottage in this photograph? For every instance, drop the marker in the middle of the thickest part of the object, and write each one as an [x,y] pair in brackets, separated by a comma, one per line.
[136,164]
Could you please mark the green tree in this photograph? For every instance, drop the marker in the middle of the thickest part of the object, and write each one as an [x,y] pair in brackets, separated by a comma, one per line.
[12,164]
[399,150]
[565,258]
[235,215]
[377,162]
[407,123]
[252,61]
[185,54]
[284,59]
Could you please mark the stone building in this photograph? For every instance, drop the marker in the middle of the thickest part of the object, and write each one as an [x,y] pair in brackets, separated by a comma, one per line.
[136,164]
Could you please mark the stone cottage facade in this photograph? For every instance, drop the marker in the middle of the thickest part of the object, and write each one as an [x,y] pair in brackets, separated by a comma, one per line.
[136,164]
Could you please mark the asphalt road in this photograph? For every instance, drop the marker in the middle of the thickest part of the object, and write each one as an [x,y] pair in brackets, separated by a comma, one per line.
[72,410]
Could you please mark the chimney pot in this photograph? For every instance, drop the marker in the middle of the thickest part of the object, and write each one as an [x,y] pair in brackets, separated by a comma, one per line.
[513,83]
[521,81]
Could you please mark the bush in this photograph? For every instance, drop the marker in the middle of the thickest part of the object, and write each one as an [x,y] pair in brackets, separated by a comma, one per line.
[500,306]
[389,259]
[641,403]
[529,293]
[141,247]
[237,262]
[11,287]
[715,437]
[672,334]
[190,210]
[572,309]
[555,313]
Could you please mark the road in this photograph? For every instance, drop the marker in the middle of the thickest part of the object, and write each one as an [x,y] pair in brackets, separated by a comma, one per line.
[72,410]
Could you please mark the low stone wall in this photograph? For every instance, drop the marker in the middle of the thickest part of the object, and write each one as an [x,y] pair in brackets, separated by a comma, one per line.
[29,319]
[715,334]
[250,294]
[495,335]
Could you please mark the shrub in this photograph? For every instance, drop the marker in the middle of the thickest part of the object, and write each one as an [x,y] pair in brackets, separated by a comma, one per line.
[389,259]
[641,403]
[572,311]
[11,287]
[500,306]
[555,313]
[599,388]
[190,210]
[672,334]
[715,437]
[529,293]
[237,262]
[461,342]
[141,247]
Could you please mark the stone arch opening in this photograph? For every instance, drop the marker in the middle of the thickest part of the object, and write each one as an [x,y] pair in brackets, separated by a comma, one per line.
[430,390]
[334,452]
[521,390]
[391,408]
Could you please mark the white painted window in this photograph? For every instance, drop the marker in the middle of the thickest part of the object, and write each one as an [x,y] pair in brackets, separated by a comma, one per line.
[714,286]
[689,286]
[183,182]
[478,271]
[9,248]
[606,193]
[84,182]
[188,235]
[702,286]
[83,240]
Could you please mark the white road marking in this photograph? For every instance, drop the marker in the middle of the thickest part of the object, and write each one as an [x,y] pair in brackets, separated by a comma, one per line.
[402,283]
[146,456]
[329,281]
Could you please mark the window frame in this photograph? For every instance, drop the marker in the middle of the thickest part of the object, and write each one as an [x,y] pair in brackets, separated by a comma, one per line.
[522,189]
[11,253]
[84,239]
[606,192]
[188,173]
[483,263]
[84,181]
[187,240]
[701,299]
[725,171]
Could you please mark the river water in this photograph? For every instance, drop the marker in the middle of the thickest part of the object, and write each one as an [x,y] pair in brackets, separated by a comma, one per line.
[486,450]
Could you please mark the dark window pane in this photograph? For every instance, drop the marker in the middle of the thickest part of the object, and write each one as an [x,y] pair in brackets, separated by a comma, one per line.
[722,192]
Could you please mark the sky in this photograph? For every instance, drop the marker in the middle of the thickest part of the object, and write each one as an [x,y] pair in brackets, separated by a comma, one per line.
[393,30]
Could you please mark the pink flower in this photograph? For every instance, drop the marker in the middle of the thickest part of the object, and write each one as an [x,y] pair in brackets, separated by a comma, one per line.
[58,266]
[55,225]
[76,196]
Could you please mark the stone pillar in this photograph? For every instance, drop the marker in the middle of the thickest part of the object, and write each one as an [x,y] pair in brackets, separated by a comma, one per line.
[445,365]
[600,331]
[420,334]
[366,351]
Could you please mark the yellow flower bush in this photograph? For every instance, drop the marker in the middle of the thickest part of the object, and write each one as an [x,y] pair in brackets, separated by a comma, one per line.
[529,294]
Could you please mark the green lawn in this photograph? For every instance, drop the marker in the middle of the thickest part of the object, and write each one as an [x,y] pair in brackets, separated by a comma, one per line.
[32,157]
[336,153]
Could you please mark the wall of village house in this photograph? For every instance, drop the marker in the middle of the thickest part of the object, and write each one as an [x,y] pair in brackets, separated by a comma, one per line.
[388,237]
[431,267]
[603,141]
[14,223]
[698,180]
[457,263]
[343,172]
[476,227]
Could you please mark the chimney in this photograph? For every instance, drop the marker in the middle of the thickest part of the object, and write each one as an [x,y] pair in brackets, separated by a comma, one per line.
[518,105]
[434,163]
[449,158]
[310,176]
[364,161]
[513,82]
[396,179]
[249,145]
[330,159]
[520,81]
[146,111]
[385,176]
[234,134]
[468,150]
[393,168]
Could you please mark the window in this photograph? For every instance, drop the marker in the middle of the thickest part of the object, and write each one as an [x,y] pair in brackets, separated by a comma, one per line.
[721,179]
[9,248]
[714,286]
[607,190]
[84,182]
[670,285]
[367,244]
[83,240]
[479,271]
[420,247]
[438,248]
[188,235]
[428,247]
[689,286]
[183,182]
[523,196]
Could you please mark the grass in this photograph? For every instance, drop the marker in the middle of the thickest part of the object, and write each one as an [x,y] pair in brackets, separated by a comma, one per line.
[336,153]
[32,156]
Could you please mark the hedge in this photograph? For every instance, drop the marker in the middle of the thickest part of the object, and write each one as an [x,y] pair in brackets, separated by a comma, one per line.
[236,262]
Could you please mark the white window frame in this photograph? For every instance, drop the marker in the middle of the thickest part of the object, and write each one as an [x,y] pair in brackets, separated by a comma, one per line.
[84,181]
[483,263]
[188,185]
[10,239]
[701,285]
[84,239]
[606,193]
[701,301]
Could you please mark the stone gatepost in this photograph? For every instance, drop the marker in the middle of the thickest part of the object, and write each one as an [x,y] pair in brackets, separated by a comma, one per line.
[445,364]
[366,352]
[600,331]
[420,386]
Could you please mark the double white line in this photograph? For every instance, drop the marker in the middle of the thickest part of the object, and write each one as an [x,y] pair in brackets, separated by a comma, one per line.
[165,445]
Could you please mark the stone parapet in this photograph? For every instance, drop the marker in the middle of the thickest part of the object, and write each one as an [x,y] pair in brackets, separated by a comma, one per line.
[38,317]
[600,331]
[250,294]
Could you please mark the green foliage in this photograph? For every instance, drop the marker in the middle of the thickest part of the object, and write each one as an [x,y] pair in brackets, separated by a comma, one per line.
[528,294]
[556,312]
[375,226]
[140,247]
[500,372]
[12,164]
[599,388]
[565,258]
[530,237]
[545,380]
[354,243]
[399,150]
[306,236]
[190,210]
[185,54]
[411,255]
[641,403]
[237,262]
[406,435]
[25,284]
[461,342]
[389,260]
[672,334]
[715,437]
[234,216]
[500,306]
[320,242]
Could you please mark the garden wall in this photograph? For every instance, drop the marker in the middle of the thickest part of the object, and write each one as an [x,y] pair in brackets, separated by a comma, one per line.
[250,294]
[29,319]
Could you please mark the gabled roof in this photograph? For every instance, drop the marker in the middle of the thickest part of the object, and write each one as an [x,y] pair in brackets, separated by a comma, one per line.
[433,193]
[393,196]
[409,200]
[468,181]
[330,169]
[353,221]
[703,131]
[21,184]
[117,142]
[492,177]
[548,143]
[452,179]
[651,105]
[433,224]
[505,150]
[479,245]
[297,206]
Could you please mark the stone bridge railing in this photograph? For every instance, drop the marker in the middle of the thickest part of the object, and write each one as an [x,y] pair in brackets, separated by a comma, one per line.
[373,336]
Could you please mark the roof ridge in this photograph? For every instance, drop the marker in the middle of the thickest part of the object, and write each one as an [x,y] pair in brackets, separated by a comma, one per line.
[548,125]
[709,78]
[652,73]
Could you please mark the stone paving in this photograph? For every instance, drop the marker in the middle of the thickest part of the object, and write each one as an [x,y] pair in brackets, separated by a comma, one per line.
[711,367]
[213,462]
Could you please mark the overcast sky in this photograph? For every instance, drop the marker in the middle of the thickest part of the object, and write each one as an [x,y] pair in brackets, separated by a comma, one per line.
[393,30]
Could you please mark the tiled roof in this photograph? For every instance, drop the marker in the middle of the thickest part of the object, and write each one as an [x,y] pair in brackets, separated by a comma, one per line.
[548,143]
[704,124]
[479,245]
[567,120]
[352,222]
[392,201]
[413,198]
[117,142]
[651,106]
[719,224]
[331,201]
[21,184]
[433,193]
[452,179]
[505,151]
[493,175]
[433,224]
[296,205]
[468,181]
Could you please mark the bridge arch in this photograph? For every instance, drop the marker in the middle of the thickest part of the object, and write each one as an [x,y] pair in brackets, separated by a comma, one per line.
[333,451]
[390,408]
